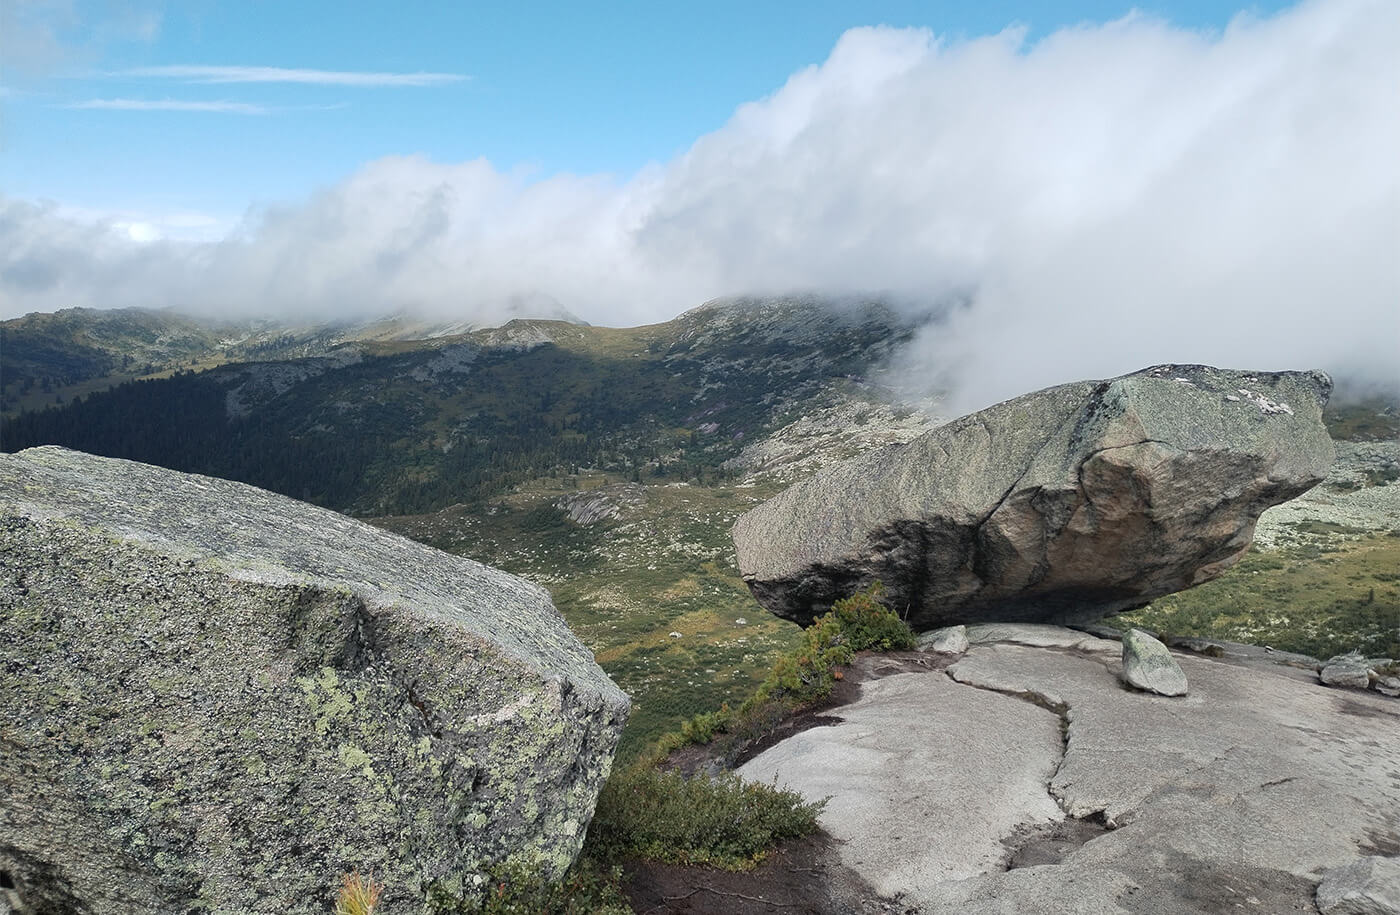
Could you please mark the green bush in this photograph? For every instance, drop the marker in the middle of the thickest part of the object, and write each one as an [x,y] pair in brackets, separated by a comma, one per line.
[799,679]
[866,623]
[718,821]
[856,623]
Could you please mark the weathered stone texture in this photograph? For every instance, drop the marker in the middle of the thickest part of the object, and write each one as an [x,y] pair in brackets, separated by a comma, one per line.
[1239,797]
[1148,665]
[1065,505]
[216,698]
[1348,671]
[1366,886]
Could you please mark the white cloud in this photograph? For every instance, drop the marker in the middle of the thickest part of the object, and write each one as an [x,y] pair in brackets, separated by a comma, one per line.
[213,74]
[1108,197]
[136,104]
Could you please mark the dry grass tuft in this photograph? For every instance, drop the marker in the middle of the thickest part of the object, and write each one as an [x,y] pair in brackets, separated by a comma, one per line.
[358,895]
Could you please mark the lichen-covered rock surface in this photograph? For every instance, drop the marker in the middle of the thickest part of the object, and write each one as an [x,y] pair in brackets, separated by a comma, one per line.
[1066,505]
[1149,666]
[219,699]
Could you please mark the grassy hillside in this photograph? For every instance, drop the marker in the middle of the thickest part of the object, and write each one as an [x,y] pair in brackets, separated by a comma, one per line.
[1338,592]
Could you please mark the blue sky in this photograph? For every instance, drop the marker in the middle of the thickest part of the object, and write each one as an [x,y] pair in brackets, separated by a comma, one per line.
[1106,189]
[558,87]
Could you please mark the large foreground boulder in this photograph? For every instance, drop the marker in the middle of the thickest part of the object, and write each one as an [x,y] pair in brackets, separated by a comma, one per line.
[213,698]
[1066,505]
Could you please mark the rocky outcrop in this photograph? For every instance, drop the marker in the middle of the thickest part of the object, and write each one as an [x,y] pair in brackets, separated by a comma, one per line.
[590,506]
[1066,505]
[216,698]
[1026,780]
[1148,665]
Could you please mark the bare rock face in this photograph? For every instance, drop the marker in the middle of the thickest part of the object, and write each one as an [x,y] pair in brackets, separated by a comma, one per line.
[1066,505]
[214,698]
[590,506]
[1025,781]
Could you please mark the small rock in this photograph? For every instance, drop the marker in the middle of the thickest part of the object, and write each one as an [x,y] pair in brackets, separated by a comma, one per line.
[948,640]
[1388,686]
[1348,671]
[676,635]
[741,621]
[1148,665]
[1367,886]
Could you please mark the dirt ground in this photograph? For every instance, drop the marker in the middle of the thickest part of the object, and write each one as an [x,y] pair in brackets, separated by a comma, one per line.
[802,876]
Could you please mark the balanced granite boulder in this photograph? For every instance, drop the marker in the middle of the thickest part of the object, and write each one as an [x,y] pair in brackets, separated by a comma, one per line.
[1066,505]
[213,698]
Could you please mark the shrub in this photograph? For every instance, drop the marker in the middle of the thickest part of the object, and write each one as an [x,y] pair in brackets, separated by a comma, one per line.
[866,623]
[797,680]
[719,821]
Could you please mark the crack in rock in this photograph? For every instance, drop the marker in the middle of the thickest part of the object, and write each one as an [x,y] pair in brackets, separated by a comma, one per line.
[1033,846]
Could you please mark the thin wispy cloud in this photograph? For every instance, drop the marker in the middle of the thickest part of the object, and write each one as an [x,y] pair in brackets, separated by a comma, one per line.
[137,104]
[353,78]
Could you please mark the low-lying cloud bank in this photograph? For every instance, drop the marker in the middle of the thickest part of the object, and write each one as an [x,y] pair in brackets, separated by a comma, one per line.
[1107,197]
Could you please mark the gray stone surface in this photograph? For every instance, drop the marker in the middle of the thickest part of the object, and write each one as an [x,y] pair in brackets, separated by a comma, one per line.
[1065,505]
[1367,886]
[217,698]
[1148,665]
[1237,797]
[1349,671]
[590,506]
[922,791]
[949,640]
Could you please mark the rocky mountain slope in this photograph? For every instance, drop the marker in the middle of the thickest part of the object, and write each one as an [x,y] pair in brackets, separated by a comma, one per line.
[515,446]
[52,358]
[389,427]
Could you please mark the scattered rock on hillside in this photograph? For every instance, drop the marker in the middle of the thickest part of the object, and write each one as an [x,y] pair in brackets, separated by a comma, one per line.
[218,698]
[1367,886]
[1148,665]
[1347,670]
[1065,505]
[590,506]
